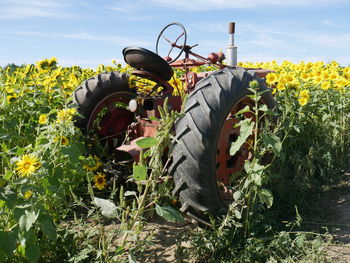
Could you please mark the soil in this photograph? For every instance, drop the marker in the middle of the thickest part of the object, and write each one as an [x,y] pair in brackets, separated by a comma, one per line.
[337,202]
[334,207]
[165,238]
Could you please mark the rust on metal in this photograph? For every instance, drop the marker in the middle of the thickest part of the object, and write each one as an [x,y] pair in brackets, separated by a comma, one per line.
[231,28]
[261,73]
[226,164]
[132,149]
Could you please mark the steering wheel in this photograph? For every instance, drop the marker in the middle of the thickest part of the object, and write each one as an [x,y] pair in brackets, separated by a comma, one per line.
[181,34]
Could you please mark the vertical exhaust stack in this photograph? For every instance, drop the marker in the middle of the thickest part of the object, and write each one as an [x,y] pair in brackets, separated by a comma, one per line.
[231,49]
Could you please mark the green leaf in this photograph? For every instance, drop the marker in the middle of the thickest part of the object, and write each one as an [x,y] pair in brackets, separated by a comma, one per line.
[169,213]
[244,110]
[237,195]
[146,142]
[73,151]
[130,193]
[131,259]
[238,214]
[26,221]
[21,248]
[48,228]
[20,151]
[108,208]
[7,242]
[8,175]
[119,250]
[271,140]
[139,172]
[263,108]
[256,172]
[296,128]
[31,218]
[266,197]
[245,131]
[33,251]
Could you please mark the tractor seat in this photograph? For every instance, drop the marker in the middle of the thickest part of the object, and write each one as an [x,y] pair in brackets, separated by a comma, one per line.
[144,59]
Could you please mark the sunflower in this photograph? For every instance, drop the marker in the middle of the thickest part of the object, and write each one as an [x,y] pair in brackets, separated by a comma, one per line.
[42,119]
[27,165]
[62,139]
[271,79]
[100,181]
[304,97]
[11,98]
[97,164]
[28,194]
[65,115]
[325,85]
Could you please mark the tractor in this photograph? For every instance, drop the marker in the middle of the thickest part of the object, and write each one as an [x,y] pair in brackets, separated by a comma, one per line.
[201,165]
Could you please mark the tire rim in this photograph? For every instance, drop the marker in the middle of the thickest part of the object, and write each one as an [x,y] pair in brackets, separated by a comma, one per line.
[110,119]
[228,166]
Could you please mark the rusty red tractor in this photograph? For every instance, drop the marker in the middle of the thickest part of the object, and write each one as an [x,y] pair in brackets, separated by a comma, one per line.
[201,165]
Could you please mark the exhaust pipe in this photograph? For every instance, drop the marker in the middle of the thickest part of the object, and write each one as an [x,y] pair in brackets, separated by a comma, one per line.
[231,50]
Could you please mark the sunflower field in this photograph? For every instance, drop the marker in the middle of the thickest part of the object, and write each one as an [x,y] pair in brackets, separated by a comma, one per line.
[46,171]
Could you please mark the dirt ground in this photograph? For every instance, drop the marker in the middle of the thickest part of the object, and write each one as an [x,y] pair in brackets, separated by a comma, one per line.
[336,218]
[165,241]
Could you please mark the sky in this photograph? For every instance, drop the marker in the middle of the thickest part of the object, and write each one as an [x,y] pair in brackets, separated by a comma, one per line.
[92,32]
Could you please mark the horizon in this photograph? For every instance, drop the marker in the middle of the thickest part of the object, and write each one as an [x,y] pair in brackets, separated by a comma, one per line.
[90,33]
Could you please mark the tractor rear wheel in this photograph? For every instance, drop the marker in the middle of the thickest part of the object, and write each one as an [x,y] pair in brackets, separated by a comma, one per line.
[203,136]
[102,102]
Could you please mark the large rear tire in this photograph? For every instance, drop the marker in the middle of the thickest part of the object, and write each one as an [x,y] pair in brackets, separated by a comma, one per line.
[195,149]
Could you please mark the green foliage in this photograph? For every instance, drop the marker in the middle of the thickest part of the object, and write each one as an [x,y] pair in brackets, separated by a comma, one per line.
[169,213]
[55,212]
[247,233]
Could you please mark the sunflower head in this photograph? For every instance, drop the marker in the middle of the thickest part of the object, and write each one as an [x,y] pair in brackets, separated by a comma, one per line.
[42,119]
[304,97]
[62,139]
[93,165]
[65,115]
[27,165]
[28,194]
[100,181]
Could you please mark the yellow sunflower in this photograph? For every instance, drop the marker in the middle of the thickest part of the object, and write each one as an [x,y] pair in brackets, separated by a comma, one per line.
[11,98]
[65,115]
[271,78]
[42,119]
[27,165]
[62,139]
[97,164]
[304,97]
[100,181]
[326,85]
[28,194]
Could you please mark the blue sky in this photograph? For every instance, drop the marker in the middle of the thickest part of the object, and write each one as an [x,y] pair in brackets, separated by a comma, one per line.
[93,32]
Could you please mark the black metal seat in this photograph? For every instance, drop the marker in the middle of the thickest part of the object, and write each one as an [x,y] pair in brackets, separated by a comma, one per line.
[145,60]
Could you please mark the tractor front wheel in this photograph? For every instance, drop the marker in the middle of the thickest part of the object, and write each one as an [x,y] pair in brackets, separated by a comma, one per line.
[102,102]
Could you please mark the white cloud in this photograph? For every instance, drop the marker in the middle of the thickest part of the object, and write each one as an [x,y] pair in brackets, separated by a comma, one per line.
[263,57]
[133,11]
[238,4]
[110,39]
[12,9]
[210,27]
